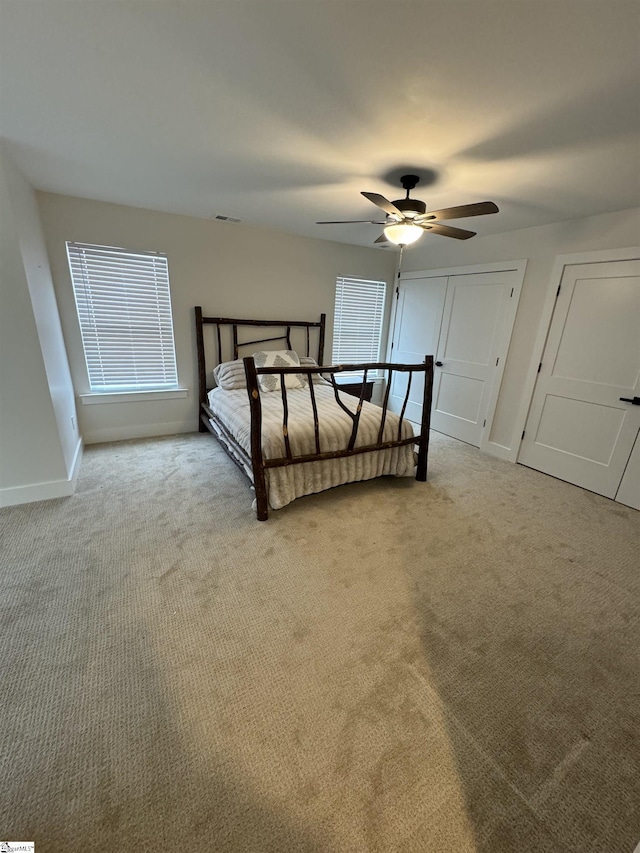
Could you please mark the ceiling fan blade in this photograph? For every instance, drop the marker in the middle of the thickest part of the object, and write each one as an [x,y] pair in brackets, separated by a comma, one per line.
[381,239]
[481,208]
[382,202]
[348,222]
[447,230]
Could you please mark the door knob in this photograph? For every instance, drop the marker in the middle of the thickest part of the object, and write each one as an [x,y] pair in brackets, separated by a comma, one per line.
[438,364]
[635,401]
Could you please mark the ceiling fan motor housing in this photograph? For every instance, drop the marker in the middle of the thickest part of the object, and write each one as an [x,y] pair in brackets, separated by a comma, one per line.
[410,206]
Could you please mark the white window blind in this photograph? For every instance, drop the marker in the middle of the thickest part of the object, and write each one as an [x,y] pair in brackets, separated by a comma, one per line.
[124,308]
[357,324]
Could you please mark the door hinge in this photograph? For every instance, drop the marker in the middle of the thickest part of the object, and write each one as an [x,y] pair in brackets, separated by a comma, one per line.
[539,367]
[391,344]
[397,292]
[511,294]
[497,360]
[484,424]
[523,433]
[558,291]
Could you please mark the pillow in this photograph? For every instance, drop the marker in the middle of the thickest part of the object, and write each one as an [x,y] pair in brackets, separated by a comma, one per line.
[278,358]
[230,375]
[307,361]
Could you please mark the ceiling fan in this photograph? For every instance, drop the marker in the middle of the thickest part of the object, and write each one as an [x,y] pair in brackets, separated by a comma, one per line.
[407,218]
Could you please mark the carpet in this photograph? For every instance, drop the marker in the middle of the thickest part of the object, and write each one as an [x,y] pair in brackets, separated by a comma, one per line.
[387,666]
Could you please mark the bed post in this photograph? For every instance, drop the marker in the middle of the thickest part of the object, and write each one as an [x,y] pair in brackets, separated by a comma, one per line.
[423,444]
[202,378]
[323,318]
[262,503]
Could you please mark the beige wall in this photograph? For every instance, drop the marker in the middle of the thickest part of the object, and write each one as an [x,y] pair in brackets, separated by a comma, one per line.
[540,247]
[239,270]
[230,270]
[39,439]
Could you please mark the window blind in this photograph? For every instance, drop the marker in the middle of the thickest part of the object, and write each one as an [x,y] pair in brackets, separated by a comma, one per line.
[124,309]
[357,324]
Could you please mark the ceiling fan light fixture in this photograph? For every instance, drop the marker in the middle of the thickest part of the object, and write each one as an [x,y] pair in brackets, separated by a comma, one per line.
[403,234]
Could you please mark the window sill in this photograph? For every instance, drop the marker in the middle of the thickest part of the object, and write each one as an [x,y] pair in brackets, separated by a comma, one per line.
[98,397]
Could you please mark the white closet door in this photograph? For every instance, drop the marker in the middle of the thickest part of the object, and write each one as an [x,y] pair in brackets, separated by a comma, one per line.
[578,428]
[416,332]
[472,339]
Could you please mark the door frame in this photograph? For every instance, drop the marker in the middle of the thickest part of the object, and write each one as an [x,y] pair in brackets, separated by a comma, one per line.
[601,255]
[518,267]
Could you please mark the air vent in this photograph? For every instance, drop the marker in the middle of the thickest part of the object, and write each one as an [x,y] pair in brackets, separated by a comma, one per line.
[228,219]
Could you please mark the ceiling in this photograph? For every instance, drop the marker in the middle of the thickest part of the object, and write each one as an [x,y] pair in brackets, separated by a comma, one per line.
[279,112]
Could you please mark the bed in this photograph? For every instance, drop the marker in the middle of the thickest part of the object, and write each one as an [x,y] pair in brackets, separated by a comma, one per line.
[284,419]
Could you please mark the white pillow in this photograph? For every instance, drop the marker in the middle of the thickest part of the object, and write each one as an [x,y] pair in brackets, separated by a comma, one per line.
[278,358]
[230,375]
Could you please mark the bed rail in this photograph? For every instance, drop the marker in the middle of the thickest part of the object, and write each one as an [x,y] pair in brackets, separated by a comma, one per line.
[260,465]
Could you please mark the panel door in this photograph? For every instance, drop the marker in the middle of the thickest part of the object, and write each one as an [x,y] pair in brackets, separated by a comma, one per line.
[416,332]
[471,343]
[578,428]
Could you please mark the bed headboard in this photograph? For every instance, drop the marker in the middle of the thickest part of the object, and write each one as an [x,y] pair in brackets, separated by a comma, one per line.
[226,350]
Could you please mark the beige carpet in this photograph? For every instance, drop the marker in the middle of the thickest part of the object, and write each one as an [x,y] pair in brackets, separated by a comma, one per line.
[390,666]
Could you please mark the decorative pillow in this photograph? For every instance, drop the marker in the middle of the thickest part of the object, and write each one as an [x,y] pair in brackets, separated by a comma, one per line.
[230,375]
[278,358]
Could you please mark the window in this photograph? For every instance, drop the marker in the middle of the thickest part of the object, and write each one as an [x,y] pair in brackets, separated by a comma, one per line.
[357,324]
[124,308]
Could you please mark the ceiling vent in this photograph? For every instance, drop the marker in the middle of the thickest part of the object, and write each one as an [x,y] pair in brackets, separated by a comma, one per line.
[228,219]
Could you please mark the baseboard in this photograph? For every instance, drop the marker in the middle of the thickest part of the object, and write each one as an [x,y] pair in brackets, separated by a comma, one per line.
[122,433]
[15,495]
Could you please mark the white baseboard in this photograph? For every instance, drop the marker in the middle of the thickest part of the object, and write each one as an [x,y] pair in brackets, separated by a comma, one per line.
[16,495]
[122,433]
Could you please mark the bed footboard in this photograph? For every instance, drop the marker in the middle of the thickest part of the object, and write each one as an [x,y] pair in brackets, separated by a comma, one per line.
[260,465]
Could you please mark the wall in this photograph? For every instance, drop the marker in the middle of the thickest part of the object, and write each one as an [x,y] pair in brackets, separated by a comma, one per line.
[539,246]
[39,442]
[230,270]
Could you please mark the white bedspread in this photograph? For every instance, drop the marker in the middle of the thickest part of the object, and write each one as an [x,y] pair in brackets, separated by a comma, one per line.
[292,481]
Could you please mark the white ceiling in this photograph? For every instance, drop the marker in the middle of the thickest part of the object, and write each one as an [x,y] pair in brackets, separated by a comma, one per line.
[280,111]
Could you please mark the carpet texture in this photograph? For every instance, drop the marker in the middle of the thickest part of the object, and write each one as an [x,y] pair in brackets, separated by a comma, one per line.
[388,666]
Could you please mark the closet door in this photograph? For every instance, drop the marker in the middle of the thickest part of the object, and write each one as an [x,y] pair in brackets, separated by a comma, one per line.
[473,339]
[416,331]
[583,422]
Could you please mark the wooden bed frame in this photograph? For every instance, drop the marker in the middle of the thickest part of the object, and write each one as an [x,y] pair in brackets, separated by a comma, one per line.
[256,461]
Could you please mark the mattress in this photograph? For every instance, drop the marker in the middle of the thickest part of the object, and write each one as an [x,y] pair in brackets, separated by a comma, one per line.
[289,482]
